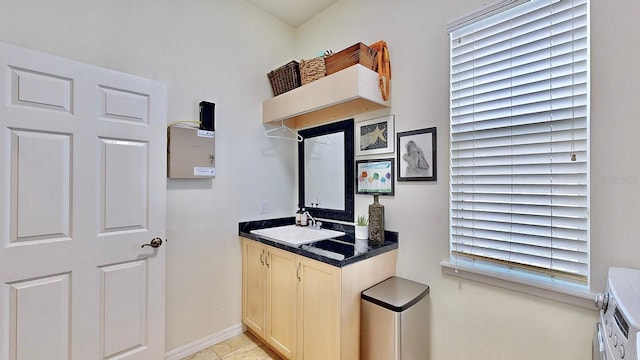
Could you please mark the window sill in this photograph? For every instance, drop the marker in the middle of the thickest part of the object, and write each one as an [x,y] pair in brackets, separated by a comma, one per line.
[575,297]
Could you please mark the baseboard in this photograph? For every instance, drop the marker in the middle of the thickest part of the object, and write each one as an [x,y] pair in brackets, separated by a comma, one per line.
[198,345]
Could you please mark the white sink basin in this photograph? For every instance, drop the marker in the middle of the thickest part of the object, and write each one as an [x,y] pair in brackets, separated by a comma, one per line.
[296,235]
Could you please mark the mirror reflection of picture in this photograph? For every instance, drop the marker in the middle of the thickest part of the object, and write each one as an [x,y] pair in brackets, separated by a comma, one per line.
[375,136]
[417,155]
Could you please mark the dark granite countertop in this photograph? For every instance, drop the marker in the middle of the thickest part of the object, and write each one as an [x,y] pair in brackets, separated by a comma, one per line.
[344,250]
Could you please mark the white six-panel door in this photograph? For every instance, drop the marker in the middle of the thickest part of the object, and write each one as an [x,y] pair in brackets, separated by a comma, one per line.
[82,188]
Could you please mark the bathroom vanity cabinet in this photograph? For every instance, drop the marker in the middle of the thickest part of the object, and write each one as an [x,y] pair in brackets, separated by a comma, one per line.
[305,308]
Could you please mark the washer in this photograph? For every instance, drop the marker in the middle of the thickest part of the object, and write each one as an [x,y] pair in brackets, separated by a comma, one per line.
[617,334]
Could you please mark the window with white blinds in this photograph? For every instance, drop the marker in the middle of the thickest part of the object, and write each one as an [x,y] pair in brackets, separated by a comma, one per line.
[519,196]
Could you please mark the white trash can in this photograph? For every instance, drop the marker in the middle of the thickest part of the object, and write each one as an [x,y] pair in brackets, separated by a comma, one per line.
[395,321]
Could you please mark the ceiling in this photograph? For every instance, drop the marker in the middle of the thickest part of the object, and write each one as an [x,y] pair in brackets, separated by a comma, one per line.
[292,12]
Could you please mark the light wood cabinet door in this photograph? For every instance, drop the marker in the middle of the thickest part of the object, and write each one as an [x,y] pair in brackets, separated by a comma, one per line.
[318,310]
[254,286]
[304,308]
[281,301]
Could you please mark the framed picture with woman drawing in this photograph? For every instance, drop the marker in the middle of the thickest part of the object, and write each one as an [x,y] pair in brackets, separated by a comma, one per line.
[417,155]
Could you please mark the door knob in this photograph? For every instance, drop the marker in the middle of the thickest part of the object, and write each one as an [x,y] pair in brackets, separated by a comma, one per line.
[155,243]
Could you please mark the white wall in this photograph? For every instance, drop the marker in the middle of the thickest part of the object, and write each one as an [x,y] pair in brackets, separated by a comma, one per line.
[472,320]
[220,50]
[214,50]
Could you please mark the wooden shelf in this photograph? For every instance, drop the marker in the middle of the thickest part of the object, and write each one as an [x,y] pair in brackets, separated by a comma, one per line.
[346,93]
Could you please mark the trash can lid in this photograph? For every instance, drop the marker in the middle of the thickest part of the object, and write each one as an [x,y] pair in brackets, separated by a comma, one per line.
[396,293]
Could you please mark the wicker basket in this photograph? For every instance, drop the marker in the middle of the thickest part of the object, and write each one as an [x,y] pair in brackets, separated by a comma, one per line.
[285,78]
[355,54]
[312,70]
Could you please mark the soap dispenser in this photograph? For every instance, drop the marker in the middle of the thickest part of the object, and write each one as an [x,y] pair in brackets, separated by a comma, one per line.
[298,216]
[303,218]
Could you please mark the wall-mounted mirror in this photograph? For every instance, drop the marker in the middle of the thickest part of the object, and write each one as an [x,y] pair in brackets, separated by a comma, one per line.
[325,171]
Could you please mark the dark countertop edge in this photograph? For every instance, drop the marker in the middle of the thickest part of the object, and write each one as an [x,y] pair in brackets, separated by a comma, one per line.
[391,240]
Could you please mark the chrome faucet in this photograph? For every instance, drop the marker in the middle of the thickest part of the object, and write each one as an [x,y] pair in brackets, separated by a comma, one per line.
[312,222]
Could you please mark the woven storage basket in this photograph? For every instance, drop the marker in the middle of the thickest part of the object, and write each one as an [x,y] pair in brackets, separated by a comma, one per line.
[285,78]
[312,70]
[355,54]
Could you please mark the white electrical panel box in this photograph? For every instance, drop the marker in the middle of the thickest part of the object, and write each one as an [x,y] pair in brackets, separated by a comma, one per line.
[190,153]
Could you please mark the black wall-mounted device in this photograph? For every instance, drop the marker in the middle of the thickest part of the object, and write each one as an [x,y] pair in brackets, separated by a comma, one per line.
[207,116]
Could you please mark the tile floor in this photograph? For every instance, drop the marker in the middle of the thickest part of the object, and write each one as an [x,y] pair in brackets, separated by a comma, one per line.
[242,347]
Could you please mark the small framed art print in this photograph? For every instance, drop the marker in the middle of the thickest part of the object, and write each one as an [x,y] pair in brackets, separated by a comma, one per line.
[417,155]
[375,136]
[375,176]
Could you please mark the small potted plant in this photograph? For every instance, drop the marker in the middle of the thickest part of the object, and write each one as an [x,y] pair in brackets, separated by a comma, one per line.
[362,227]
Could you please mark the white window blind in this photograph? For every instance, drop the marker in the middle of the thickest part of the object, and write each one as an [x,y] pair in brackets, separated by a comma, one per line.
[519,140]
